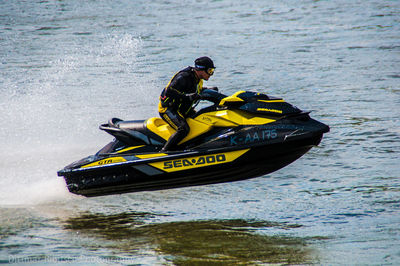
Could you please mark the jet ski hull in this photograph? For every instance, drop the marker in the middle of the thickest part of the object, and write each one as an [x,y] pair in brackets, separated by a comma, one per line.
[140,175]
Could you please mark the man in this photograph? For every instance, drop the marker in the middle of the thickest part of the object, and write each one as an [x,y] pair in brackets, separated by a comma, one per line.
[179,97]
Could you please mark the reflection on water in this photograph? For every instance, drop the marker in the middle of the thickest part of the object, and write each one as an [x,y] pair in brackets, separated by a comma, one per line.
[193,242]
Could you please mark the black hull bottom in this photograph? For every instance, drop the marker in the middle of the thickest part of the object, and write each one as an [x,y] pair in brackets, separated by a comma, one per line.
[256,162]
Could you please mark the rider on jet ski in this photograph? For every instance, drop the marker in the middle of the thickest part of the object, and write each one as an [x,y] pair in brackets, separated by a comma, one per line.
[182,93]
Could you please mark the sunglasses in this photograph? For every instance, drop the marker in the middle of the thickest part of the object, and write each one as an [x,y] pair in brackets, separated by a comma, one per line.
[210,71]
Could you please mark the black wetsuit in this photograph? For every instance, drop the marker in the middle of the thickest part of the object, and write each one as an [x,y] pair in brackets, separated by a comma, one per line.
[177,103]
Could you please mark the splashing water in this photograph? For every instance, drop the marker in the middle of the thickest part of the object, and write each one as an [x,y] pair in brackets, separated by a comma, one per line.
[48,123]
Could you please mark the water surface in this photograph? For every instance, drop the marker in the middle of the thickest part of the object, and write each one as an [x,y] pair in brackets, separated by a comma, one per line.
[68,66]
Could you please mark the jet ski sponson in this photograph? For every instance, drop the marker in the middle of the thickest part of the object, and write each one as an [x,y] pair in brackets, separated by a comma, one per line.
[245,135]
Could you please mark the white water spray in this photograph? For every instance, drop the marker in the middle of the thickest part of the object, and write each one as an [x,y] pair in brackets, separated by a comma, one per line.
[50,115]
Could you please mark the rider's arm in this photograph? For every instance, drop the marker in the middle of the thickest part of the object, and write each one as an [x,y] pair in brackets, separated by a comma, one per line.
[176,89]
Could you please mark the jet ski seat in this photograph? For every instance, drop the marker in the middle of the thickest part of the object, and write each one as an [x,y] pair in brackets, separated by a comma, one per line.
[136,125]
[131,132]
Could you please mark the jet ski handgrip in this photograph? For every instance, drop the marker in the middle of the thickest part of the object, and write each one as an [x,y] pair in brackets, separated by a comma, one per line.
[212,96]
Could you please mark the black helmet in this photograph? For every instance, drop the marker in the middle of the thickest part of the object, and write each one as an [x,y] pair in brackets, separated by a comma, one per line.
[203,63]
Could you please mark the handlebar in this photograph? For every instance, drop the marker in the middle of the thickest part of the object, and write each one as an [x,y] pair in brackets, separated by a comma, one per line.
[212,96]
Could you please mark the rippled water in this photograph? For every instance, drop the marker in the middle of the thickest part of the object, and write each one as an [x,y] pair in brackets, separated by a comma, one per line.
[68,66]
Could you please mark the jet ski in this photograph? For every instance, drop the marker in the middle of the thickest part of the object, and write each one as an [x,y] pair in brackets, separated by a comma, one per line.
[237,137]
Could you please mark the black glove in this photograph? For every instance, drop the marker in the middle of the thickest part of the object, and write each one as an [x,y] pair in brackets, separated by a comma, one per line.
[193,97]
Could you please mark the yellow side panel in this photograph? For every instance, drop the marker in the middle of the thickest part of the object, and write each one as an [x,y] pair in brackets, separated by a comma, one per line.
[106,161]
[270,110]
[232,98]
[198,161]
[161,128]
[271,101]
[152,155]
[196,129]
[130,148]
[204,123]
[232,118]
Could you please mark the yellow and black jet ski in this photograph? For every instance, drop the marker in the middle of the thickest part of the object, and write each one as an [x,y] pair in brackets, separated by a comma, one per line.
[241,136]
